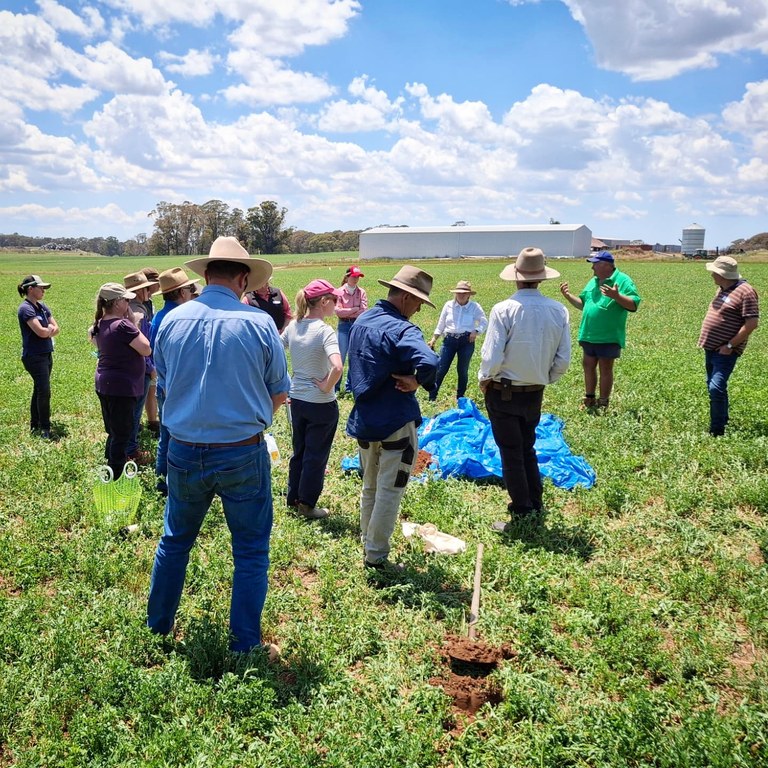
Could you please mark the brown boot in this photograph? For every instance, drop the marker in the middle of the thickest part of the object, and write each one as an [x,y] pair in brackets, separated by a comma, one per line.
[312,513]
[588,402]
[602,402]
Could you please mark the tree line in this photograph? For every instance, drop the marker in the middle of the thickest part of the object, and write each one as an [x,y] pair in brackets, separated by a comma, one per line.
[187,229]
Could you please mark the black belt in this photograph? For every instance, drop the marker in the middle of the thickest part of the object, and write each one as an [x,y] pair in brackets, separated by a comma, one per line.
[346,319]
[524,388]
[458,335]
[253,440]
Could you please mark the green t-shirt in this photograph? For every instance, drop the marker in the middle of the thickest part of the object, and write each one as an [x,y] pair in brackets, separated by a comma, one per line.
[604,321]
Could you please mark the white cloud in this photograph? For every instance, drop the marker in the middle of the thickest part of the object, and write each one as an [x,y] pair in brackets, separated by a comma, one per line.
[268,81]
[658,39]
[751,113]
[65,20]
[193,63]
[109,68]
[374,111]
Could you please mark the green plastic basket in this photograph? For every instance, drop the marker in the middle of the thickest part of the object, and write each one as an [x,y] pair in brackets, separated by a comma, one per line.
[116,501]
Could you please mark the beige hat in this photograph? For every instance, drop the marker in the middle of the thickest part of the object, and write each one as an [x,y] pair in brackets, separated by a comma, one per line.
[112,291]
[726,267]
[529,267]
[138,280]
[173,279]
[414,281]
[229,249]
[463,286]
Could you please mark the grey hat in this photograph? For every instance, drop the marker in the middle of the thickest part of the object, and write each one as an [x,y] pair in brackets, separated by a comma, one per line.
[112,291]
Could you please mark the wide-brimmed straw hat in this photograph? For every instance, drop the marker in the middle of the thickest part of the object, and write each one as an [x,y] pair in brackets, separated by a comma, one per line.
[229,249]
[726,267]
[529,267]
[463,286]
[173,279]
[138,280]
[412,280]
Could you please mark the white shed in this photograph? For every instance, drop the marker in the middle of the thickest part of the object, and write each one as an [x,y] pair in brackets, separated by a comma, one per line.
[556,240]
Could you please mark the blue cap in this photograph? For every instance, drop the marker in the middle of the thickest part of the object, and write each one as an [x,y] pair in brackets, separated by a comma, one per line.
[601,256]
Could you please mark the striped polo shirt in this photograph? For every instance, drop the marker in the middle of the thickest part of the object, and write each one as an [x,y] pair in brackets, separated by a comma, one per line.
[726,314]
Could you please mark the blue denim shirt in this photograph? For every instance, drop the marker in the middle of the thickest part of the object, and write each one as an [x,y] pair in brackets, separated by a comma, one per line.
[383,342]
[219,363]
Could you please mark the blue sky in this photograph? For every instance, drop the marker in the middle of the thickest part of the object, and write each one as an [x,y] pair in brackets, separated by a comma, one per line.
[636,118]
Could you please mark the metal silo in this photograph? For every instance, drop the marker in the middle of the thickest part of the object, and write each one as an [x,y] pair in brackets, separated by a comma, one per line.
[693,239]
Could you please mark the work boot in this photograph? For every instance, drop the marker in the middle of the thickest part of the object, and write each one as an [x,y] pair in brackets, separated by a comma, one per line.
[602,402]
[312,513]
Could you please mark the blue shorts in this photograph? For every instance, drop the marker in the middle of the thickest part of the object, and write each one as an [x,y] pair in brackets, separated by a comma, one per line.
[601,350]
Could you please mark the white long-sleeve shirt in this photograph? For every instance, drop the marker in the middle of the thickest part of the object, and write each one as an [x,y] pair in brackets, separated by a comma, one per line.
[456,318]
[528,340]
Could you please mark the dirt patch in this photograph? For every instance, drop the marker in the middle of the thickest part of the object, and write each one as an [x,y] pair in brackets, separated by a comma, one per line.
[422,462]
[462,649]
[465,679]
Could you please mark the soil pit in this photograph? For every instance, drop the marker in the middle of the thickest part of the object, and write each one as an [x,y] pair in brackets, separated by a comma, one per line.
[471,661]
[423,460]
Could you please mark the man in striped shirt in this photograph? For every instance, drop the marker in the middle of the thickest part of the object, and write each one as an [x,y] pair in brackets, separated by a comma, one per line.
[730,319]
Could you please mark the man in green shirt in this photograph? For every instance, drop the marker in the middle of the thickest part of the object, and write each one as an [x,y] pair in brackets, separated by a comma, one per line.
[605,302]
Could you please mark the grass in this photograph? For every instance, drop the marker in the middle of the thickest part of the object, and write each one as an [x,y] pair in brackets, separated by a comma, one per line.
[637,609]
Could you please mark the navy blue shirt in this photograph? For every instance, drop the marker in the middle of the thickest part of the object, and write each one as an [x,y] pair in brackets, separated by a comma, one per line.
[31,343]
[382,342]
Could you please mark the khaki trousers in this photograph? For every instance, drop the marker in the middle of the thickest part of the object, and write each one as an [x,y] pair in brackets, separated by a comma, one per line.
[386,466]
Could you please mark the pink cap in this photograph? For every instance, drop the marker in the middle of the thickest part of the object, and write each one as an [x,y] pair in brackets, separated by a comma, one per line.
[318,288]
[354,272]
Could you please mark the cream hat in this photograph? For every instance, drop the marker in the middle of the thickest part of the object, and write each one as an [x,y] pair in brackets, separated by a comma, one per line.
[138,280]
[173,279]
[229,249]
[463,286]
[726,267]
[529,267]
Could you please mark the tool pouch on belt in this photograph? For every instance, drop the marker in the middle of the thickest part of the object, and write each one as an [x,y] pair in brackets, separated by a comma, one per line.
[506,389]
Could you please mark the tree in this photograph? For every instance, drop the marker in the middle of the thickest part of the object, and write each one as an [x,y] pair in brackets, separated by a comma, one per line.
[266,232]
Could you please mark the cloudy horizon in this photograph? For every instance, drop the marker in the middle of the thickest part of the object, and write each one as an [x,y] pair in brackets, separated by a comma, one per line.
[635,119]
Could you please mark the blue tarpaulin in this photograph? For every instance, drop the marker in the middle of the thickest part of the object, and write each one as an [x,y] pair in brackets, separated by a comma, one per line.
[462,445]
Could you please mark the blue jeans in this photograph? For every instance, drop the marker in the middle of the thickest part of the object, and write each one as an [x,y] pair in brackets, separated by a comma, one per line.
[161,459]
[241,477]
[462,348]
[133,442]
[313,426]
[342,332]
[719,369]
[39,367]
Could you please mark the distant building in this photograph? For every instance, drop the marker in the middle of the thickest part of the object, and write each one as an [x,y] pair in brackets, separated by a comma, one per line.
[670,248]
[558,241]
[612,242]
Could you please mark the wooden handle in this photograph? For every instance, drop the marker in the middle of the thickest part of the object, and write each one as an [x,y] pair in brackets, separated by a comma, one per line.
[475,607]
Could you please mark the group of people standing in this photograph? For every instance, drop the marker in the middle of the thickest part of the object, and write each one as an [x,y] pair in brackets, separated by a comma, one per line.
[221,374]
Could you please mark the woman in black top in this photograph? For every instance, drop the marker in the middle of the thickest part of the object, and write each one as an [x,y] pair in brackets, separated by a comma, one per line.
[38,328]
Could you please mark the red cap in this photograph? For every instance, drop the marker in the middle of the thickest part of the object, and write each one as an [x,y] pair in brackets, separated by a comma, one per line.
[318,288]
[354,272]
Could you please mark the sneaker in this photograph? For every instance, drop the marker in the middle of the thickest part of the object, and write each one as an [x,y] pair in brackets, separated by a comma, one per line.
[46,434]
[385,566]
[312,513]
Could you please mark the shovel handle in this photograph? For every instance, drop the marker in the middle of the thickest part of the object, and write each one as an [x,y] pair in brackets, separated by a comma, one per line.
[475,606]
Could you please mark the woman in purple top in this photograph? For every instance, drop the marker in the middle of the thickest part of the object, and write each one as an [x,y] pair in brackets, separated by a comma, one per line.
[37,331]
[120,370]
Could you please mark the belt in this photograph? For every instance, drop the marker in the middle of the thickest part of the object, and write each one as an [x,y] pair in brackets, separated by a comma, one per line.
[346,319]
[253,440]
[524,388]
[458,335]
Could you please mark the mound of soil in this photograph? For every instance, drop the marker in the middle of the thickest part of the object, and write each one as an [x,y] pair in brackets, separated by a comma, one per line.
[422,462]
[468,694]
[476,651]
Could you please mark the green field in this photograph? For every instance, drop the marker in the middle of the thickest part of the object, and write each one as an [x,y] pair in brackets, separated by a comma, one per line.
[637,610]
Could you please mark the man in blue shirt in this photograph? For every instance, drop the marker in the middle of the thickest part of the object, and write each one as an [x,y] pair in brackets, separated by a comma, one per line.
[388,361]
[223,370]
[177,289]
